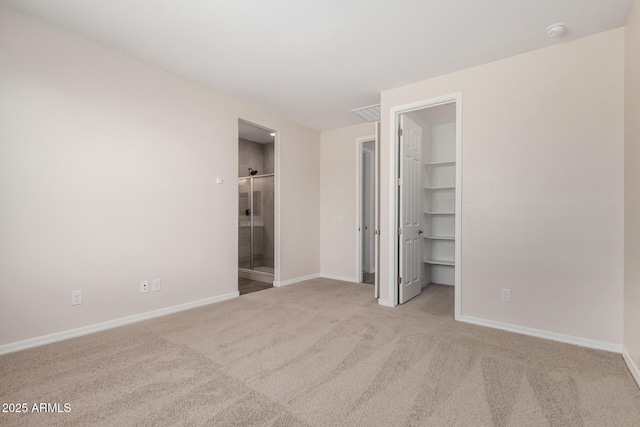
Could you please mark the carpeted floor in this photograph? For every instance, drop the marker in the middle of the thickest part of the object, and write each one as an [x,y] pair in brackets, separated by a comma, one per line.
[319,353]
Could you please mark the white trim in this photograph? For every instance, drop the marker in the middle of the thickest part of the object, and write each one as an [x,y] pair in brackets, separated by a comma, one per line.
[631,365]
[376,210]
[276,194]
[393,206]
[385,302]
[358,232]
[110,324]
[457,282]
[539,333]
[342,278]
[296,280]
[394,117]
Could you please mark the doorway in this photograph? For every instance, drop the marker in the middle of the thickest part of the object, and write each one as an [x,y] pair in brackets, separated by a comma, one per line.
[368,210]
[256,207]
[427,208]
[366,227]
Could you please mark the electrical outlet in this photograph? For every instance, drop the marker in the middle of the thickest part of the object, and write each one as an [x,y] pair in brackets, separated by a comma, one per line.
[155,285]
[144,286]
[505,295]
[76,297]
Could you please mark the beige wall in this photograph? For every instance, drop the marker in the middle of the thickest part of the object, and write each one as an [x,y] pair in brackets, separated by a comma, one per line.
[338,197]
[107,178]
[632,190]
[542,186]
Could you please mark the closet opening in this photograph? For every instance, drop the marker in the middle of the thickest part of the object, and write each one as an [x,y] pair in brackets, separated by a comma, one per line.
[428,197]
[256,208]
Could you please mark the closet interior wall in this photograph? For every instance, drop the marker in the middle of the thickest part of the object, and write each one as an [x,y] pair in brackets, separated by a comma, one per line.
[438,193]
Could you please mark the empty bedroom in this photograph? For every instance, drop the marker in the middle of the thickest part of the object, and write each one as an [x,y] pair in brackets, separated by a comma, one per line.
[408,213]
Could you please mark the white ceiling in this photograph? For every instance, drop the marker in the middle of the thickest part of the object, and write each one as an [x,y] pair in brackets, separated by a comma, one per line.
[314,61]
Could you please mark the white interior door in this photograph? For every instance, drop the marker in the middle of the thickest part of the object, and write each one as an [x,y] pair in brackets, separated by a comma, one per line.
[410,210]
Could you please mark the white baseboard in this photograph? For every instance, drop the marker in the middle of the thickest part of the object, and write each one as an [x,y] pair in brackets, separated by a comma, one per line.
[296,280]
[632,366]
[539,333]
[110,324]
[385,302]
[342,278]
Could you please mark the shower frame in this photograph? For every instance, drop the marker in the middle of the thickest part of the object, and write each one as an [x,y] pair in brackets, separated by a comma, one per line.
[251,268]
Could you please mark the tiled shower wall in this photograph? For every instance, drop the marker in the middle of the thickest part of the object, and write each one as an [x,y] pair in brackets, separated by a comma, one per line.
[254,155]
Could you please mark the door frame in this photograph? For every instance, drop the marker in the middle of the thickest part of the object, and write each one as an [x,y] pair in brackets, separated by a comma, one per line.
[276,199]
[394,197]
[358,229]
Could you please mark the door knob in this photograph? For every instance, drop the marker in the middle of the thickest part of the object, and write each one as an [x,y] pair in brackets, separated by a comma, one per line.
[420,231]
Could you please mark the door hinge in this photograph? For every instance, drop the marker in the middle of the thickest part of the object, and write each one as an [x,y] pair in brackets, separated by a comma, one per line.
[399,280]
[399,181]
[399,231]
[377,232]
[399,131]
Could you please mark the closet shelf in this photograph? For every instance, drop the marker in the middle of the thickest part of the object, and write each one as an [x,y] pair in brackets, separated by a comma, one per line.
[440,237]
[453,162]
[440,213]
[440,262]
[440,188]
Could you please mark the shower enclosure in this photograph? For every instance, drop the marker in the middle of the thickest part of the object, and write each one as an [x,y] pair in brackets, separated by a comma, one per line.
[256,226]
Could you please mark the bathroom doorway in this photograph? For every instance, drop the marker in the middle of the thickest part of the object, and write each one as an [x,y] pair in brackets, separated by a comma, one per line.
[256,207]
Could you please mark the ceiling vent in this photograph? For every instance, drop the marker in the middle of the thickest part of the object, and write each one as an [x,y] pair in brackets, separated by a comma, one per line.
[370,113]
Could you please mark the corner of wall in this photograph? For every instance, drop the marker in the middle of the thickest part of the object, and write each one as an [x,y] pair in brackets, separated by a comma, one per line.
[633,368]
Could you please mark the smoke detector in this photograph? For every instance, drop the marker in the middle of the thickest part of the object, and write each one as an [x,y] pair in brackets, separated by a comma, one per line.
[556,29]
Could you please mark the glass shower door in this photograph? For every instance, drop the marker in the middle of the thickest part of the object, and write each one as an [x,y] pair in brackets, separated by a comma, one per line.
[263,223]
[244,223]
[256,223]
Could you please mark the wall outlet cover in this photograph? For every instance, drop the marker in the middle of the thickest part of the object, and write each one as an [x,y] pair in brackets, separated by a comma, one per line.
[155,285]
[144,286]
[76,297]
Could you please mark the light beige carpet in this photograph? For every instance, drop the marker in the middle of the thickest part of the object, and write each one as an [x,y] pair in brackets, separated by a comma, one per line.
[319,353]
